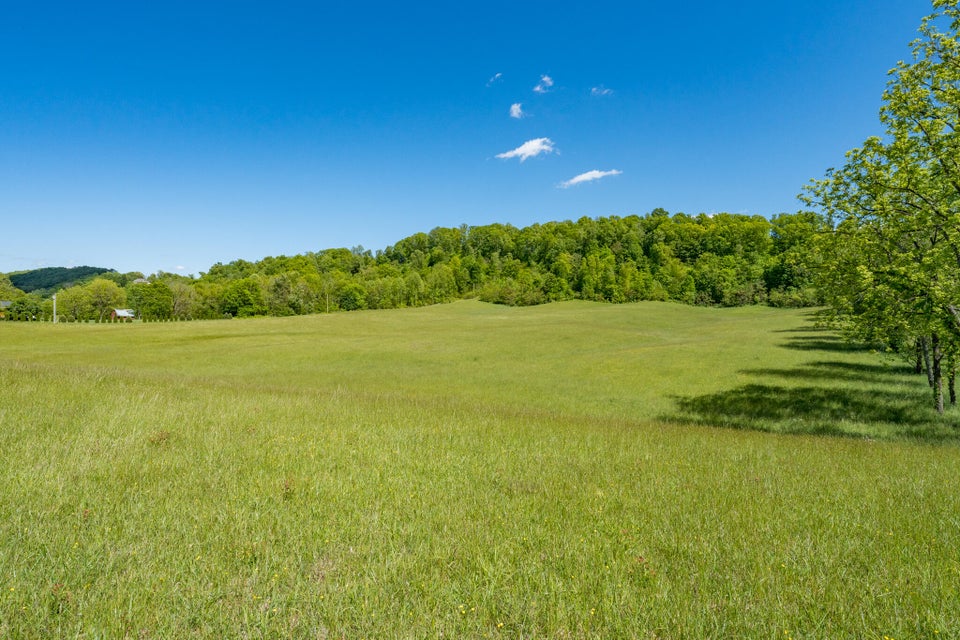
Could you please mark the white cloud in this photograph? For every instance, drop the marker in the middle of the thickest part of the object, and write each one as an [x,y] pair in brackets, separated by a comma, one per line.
[545,83]
[601,91]
[516,110]
[496,78]
[529,149]
[589,176]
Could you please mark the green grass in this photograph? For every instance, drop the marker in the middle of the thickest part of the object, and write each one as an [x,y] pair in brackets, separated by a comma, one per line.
[572,470]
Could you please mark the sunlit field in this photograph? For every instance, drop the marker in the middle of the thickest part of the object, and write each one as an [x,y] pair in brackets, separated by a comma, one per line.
[572,470]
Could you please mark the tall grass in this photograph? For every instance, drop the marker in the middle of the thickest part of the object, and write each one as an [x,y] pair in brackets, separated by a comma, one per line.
[573,470]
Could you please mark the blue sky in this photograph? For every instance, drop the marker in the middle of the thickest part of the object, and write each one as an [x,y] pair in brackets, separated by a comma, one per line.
[149,136]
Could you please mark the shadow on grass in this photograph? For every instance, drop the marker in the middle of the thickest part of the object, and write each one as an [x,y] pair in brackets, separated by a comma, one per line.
[830,397]
[846,371]
[807,329]
[825,342]
[818,411]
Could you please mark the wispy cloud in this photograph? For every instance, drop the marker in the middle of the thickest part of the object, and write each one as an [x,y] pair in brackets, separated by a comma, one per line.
[529,149]
[544,85]
[601,91]
[589,176]
[495,79]
[516,110]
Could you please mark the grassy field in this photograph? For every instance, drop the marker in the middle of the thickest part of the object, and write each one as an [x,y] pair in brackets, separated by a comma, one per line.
[573,470]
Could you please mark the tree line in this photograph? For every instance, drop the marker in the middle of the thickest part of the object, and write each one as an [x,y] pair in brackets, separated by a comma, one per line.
[723,259]
[890,273]
[48,280]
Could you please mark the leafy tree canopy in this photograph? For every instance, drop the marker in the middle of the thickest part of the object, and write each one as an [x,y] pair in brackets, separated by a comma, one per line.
[891,268]
[49,279]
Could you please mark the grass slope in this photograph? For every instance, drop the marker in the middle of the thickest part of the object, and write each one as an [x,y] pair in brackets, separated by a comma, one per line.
[472,471]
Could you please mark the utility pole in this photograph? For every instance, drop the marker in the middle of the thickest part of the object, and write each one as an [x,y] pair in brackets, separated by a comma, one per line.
[54,308]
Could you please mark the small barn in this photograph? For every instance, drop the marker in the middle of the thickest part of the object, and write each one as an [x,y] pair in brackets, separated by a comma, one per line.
[123,315]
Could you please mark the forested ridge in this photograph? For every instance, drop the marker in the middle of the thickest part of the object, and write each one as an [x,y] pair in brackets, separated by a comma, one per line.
[50,279]
[723,259]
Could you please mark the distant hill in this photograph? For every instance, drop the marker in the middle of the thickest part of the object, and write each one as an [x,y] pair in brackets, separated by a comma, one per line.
[50,279]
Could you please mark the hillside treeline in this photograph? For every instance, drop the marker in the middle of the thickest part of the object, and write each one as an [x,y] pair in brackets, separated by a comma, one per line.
[49,279]
[723,259]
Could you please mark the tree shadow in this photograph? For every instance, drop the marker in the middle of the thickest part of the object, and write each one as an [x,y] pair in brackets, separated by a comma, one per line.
[834,370]
[817,411]
[825,342]
[893,371]
[807,329]
[828,398]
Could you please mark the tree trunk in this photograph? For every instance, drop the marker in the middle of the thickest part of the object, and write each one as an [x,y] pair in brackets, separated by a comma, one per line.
[951,384]
[918,366]
[925,348]
[955,312]
[936,357]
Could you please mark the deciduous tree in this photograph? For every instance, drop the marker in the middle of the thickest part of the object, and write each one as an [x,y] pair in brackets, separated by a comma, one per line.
[893,266]
[105,295]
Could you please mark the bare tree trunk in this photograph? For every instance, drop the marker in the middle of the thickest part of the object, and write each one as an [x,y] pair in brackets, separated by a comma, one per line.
[951,384]
[918,366]
[936,357]
[925,348]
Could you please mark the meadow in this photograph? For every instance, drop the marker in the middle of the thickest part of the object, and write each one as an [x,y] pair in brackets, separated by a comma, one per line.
[573,470]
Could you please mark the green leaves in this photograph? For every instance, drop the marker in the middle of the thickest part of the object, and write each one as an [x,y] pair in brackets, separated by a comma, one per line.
[891,272]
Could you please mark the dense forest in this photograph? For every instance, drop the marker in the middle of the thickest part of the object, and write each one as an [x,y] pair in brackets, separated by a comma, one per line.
[50,279]
[722,259]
